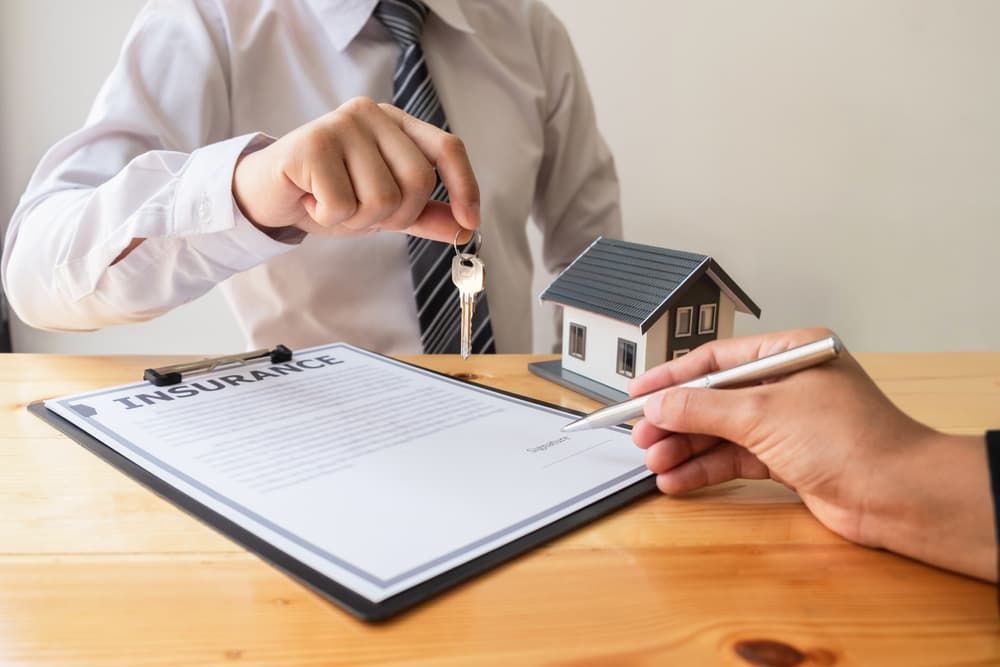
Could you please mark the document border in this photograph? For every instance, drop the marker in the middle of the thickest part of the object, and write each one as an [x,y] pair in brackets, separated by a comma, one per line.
[328,588]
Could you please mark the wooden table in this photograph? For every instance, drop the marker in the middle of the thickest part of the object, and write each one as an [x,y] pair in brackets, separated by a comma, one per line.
[95,570]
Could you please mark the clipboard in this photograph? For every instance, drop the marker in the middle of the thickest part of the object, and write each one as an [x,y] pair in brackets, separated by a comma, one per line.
[323,585]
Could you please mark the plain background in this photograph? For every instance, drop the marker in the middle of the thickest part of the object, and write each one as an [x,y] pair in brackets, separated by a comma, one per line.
[840,158]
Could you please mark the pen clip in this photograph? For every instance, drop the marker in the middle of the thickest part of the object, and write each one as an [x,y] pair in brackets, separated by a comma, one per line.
[173,374]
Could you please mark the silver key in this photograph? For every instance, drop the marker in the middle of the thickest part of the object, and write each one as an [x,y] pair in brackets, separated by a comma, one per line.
[469,275]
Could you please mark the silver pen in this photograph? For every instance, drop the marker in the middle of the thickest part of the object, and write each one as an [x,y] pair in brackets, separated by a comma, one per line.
[765,368]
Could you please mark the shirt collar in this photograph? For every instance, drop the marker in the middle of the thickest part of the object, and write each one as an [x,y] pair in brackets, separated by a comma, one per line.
[344,19]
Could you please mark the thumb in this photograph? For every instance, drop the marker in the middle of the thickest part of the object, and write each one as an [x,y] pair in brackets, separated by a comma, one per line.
[730,414]
[437,223]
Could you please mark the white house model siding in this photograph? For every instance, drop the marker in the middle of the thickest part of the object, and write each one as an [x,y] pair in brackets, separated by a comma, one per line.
[600,362]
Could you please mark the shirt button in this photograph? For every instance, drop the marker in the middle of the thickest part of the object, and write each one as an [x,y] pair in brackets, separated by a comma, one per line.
[205,210]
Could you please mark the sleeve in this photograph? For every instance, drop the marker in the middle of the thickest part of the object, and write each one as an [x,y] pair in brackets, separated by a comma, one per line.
[993,460]
[577,188]
[578,197]
[154,160]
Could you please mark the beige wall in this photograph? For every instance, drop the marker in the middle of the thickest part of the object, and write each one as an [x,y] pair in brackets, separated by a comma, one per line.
[841,159]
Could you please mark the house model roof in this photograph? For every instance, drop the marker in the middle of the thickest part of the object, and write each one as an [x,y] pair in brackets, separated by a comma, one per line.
[637,283]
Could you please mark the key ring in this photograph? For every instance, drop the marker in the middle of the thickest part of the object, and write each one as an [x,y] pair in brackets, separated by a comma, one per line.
[477,236]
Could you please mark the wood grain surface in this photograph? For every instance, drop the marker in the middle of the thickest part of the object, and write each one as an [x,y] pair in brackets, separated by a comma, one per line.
[96,570]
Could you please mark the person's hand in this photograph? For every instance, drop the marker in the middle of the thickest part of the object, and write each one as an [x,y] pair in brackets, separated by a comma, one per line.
[865,469]
[359,169]
[828,432]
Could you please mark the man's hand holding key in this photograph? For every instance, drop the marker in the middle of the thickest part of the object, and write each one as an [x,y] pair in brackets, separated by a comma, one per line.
[366,167]
[359,169]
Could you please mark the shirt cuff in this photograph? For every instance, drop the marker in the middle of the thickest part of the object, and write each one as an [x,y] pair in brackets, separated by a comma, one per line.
[206,215]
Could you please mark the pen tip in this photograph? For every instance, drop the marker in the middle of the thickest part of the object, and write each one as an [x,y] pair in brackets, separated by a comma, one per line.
[577,425]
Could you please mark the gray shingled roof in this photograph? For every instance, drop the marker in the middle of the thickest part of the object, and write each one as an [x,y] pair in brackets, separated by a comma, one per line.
[636,283]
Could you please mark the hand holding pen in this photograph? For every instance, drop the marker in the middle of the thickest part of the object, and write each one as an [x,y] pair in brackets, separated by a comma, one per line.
[864,468]
[755,370]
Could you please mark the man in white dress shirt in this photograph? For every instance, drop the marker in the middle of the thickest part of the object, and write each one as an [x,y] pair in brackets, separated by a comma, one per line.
[176,183]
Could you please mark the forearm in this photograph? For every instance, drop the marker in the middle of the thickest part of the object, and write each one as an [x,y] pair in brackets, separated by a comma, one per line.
[936,506]
[153,162]
[64,265]
[92,291]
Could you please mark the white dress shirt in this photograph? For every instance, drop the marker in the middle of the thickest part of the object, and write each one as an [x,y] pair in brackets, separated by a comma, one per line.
[199,81]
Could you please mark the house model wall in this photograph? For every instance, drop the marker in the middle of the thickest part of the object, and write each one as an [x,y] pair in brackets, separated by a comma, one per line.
[628,307]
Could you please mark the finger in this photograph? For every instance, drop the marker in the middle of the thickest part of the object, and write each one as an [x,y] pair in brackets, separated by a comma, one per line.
[414,174]
[720,464]
[645,433]
[730,414]
[330,199]
[377,193]
[721,354]
[435,222]
[335,232]
[446,152]
[677,448]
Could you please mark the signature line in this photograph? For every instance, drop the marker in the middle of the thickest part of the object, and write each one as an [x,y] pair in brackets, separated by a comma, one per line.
[575,454]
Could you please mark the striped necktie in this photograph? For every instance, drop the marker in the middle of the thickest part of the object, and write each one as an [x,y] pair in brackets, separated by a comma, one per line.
[437,299]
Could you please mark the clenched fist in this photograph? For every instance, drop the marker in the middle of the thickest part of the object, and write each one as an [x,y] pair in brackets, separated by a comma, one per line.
[359,169]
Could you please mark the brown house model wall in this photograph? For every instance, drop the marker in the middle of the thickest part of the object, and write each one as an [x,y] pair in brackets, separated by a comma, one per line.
[703,293]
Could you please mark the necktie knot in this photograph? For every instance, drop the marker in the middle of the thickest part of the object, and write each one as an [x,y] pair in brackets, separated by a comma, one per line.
[404,19]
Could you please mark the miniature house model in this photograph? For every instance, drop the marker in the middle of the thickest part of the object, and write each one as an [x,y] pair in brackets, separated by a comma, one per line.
[628,307]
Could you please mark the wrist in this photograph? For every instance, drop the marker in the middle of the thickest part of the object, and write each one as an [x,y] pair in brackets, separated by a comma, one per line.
[934,504]
[245,182]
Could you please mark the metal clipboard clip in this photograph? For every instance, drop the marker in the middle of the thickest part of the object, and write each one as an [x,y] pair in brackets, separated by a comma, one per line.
[168,375]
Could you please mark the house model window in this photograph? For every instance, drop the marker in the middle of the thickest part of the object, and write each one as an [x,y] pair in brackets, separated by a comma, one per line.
[684,326]
[706,319]
[577,340]
[626,358]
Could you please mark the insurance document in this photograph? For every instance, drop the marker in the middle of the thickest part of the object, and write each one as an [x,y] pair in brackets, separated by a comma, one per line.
[375,473]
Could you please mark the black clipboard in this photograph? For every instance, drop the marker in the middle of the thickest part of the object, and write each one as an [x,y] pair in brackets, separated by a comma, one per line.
[338,594]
